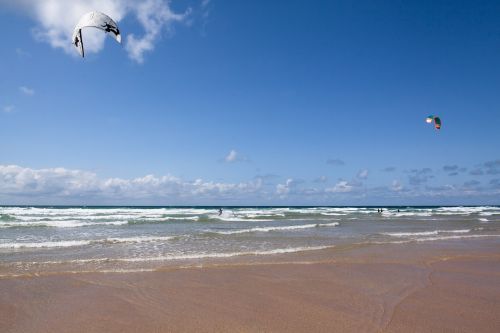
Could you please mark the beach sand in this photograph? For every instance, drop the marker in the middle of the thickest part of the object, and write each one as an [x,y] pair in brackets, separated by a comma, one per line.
[446,286]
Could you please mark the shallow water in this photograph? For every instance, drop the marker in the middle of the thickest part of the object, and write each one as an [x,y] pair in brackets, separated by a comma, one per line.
[36,239]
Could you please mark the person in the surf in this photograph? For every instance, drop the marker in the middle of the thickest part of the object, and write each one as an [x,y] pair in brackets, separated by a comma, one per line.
[220,211]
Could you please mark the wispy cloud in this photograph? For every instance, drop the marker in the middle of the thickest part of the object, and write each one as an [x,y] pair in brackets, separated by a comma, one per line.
[495,183]
[234,156]
[22,53]
[453,170]
[492,167]
[362,174]
[57,18]
[420,176]
[355,185]
[290,187]
[284,189]
[450,168]
[321,179]
[396,186]
[487,168]
[335,162]
[27,91]
[205,10]
[267,179]
[476,172]
[154,15]
[472,184]
[342,186]
[8,108]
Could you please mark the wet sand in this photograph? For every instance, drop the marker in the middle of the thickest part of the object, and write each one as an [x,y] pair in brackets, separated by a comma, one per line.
[448,286]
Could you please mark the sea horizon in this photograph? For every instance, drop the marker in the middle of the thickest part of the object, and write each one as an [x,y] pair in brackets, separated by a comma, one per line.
[250,206]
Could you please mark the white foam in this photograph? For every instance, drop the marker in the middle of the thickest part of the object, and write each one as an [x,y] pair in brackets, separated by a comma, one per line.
[236,219]
[103,218]
[482,210]
[223,255]
[72,243]
[259,215]
[172,257]
[99,213]
[44,244]
[489,213]
[267,229]
[453,237]
[63,224]
[139,239]
[425,233]
[402,214]
[59,224]
[62,217]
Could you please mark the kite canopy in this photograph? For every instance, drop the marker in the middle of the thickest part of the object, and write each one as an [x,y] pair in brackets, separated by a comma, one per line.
[437,121]
[95,20]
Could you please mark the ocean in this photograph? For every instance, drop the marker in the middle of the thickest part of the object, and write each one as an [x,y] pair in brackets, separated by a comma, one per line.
[114,239]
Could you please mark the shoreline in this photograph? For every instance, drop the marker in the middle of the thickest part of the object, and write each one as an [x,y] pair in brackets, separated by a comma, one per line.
[443,286]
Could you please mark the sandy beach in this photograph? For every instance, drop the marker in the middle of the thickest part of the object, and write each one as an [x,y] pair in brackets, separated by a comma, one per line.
[447,286]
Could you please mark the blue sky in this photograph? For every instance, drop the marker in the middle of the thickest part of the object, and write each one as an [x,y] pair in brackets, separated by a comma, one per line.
[251,103]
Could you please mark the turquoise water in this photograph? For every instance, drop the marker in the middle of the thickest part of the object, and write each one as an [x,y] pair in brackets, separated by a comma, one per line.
[104,238]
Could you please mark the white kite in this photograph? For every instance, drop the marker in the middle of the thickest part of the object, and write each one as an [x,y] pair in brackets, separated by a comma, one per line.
[95,20]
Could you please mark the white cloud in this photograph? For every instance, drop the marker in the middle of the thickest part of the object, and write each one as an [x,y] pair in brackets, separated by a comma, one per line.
[284,189]
[8,108]
[354,186]
[362,174]
[321,179]
[22,185]
[335,162]
[22,53]
[232,156]
[341,187]
[205,10]
[60,183]
[17,180]
[396,186]
[27,91]
[57,18]
[153,15]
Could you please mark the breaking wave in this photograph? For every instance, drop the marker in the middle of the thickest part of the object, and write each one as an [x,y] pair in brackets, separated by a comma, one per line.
[73,243]
[267,229]
[425,233]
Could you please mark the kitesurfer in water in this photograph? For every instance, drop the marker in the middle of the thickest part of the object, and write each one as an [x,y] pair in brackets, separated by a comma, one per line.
[220,211]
